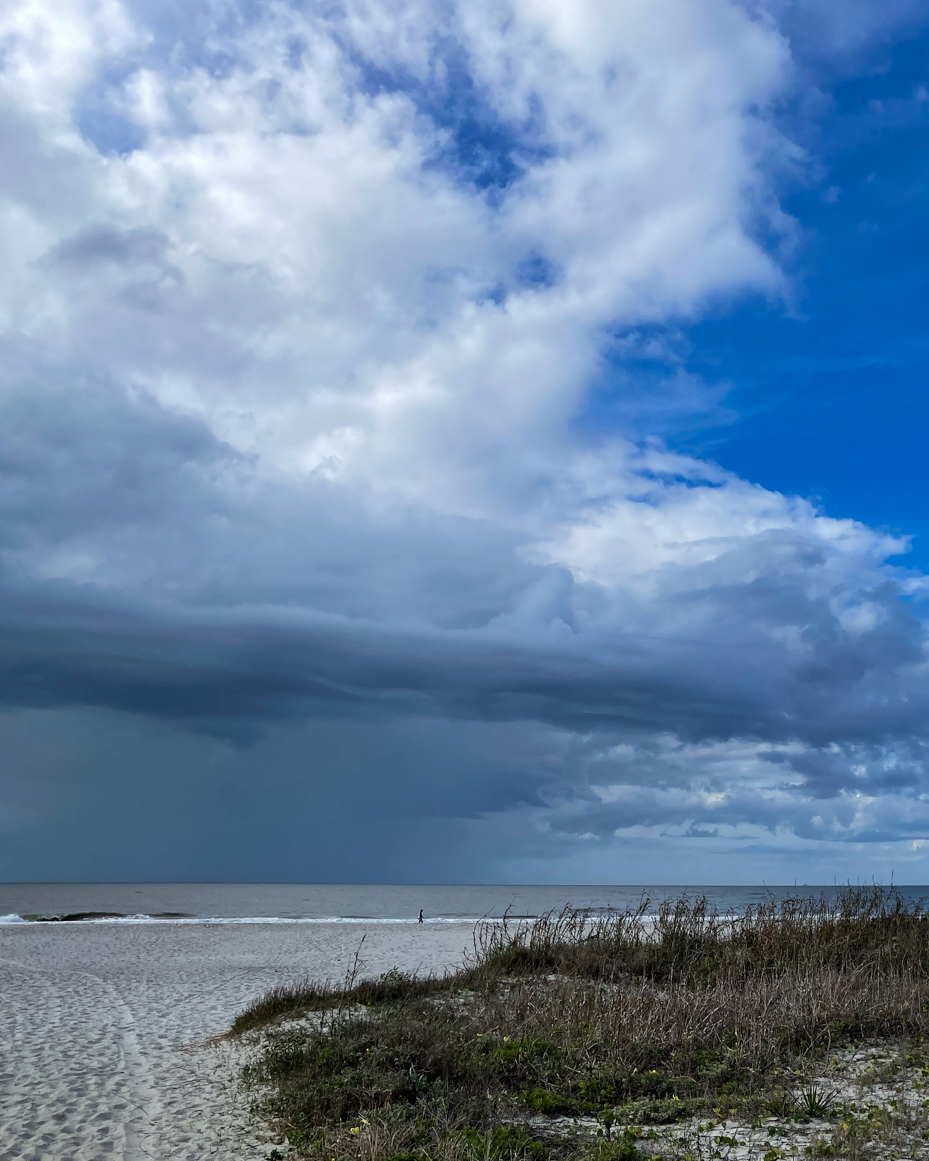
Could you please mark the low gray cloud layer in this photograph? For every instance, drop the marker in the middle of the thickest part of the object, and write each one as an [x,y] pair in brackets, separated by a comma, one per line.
[306,570]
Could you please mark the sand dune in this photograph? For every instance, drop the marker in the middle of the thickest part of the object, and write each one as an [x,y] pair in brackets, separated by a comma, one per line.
[105,1029]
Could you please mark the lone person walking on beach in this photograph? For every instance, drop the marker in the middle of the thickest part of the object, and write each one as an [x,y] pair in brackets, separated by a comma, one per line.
[420,920]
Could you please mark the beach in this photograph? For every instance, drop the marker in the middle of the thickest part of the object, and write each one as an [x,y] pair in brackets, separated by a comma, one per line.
[108,1031]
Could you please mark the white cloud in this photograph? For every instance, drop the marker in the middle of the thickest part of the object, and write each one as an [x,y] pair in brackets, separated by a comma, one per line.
[332,281]
[297,355]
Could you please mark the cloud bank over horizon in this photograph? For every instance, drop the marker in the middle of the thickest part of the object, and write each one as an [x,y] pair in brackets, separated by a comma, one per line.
[306,513]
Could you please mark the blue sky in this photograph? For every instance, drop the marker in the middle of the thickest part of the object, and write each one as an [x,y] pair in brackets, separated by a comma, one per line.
[463,441]
[828,398]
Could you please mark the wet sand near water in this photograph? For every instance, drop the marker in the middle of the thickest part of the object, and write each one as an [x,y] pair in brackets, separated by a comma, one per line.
[104,1029]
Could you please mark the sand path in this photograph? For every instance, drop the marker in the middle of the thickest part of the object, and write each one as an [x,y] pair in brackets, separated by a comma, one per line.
[104,1029]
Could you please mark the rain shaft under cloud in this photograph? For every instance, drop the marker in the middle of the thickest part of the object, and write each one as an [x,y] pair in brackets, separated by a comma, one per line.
[301,520]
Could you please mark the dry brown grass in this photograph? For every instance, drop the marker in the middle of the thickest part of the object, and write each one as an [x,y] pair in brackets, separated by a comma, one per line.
[625,1018]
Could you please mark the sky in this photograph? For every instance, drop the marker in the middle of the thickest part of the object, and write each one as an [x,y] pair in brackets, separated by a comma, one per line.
[464,442]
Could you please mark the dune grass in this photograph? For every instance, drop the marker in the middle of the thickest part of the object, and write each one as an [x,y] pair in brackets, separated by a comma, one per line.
[567,1035]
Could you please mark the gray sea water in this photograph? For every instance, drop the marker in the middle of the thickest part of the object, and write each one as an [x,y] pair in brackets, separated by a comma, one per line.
[316,903]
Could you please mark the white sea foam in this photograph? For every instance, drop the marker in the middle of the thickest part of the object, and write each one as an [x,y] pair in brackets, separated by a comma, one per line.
[213,921]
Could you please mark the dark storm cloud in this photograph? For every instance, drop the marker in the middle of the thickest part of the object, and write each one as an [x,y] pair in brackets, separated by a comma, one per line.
[371,618]
[281,467]
[67,644]
[333,612]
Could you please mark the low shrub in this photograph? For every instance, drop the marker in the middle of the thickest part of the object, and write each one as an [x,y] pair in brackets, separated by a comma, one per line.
[622,1019]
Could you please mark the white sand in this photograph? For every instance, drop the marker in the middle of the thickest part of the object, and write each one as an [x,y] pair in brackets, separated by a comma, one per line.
[103,1028]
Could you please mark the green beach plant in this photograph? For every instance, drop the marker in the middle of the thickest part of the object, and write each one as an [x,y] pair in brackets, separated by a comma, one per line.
[632,1018]
[811,1101]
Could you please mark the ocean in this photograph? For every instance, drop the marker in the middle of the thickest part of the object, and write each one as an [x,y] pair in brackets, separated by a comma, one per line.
[185,903]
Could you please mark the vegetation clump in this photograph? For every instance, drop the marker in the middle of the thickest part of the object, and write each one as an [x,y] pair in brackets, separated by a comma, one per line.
[571,1034]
